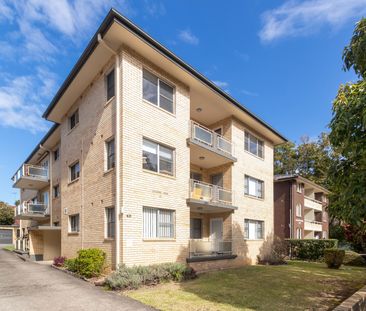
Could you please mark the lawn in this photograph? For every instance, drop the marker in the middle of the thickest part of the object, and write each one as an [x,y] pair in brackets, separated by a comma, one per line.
[9,247]
[295,286]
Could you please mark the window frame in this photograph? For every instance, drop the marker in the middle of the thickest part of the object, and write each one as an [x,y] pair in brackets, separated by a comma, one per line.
[158,237]
[158,145]
[246,132]
[71,224]
[158,92]
[246,229]
[58,191]
[298,230]
[299,187]
[112,70]
[298,208]
[107,222]
[70,171]
[107,155]
[246,187]
[77,119]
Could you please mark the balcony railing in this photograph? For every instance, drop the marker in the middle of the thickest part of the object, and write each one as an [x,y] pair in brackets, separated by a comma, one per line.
[312,225]
[210,138]
[210,193]
[201,248]
[32,171]
[312,203]
[32,209]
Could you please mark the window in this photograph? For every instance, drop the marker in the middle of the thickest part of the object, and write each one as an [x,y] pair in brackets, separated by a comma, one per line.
[298,210]
[325,234]
[110,160]
[74,119]
[158,92]
[110,222]
[74,223]
[196,228]
[157,158]
[196,176]
[56,154]
[74,171]
[299,187]
[298,233]
[110,85]
[56,191]
[158,223]
[253,145]
[253,229]
[253,187]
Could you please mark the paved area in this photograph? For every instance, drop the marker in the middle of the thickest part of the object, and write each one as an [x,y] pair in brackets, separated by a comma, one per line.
[28,286]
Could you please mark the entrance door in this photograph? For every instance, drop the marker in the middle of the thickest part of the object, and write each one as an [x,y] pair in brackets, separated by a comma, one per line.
[216,233]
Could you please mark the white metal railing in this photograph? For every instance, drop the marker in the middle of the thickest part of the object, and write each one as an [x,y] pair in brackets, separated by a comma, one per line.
[313,225]
[312,203]
[210,138]
[32,208]
[210,193]
[34,171]
[200,247]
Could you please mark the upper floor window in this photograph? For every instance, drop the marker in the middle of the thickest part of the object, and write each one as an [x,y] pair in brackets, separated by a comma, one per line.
[298,233]
[253,229]
[158,223]
[110,159]
[158,92]
[56,191]
[157,158]
[253,187]
[299,187]
[74,119]
[74,171]
[254,145]
[56,154]
[110,222]
[298,210]
[74,223]
[110,84]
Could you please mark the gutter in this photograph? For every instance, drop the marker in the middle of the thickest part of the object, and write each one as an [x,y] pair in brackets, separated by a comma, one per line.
[115,16]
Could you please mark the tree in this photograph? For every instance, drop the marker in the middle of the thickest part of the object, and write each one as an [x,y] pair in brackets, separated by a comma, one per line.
[285,159]
[6,214]
[348,138]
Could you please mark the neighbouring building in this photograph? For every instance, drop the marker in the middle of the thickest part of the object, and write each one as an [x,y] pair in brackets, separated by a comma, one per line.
[149,161]
[300,208]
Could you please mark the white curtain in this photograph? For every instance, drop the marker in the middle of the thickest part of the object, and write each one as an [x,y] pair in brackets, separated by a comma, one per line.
[150,222]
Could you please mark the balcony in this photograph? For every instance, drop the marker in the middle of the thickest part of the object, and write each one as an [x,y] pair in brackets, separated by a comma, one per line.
[205,250]
[209,149]
[31,177]
[313,204]
[206,197]
[31,211]
[312,225]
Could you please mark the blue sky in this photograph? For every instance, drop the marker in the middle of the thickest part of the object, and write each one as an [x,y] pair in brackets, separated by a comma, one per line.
[281,59]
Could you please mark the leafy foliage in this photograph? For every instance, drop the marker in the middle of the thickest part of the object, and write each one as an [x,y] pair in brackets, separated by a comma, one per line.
[59,261]
[134,277]
[89,262]
[333,257]
[310,249]
[6,214]
[353,259]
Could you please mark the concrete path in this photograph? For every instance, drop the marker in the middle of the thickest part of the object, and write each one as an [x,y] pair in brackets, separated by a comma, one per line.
[28,286]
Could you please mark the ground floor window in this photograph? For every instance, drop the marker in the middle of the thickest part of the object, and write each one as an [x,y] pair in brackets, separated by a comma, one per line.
[74,223]
[253,229]
[110,222]
[158,223]
[298,233]
[196,228]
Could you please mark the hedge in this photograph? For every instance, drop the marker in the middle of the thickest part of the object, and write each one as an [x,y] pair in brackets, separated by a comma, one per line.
[89,262]
[353,259]
[333,257]
[310,249]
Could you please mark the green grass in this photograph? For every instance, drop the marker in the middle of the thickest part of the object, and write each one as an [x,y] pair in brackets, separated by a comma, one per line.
[9,247]
[296,286]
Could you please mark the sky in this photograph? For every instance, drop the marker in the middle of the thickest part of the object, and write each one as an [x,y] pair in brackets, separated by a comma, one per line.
[281,59]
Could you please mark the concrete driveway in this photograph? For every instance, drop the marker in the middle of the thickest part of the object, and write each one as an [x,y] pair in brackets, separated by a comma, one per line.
[30,286]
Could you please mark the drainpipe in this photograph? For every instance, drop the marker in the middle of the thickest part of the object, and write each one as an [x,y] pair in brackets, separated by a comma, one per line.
[117,208]
[51,184]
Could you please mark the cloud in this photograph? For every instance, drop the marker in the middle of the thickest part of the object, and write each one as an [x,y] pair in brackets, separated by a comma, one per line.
[221,84]
[300,18]
[242,56]
[249,93]
[154,8]
[188,37]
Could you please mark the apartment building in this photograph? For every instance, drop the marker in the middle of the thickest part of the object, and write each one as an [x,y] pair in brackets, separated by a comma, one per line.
[155,162]
[300,208]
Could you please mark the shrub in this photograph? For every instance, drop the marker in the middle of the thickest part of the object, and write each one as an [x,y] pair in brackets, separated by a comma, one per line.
[89,262]
[310,249]
[273,252]
[59,261]
[134,277]
[353,259]
[334,257]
